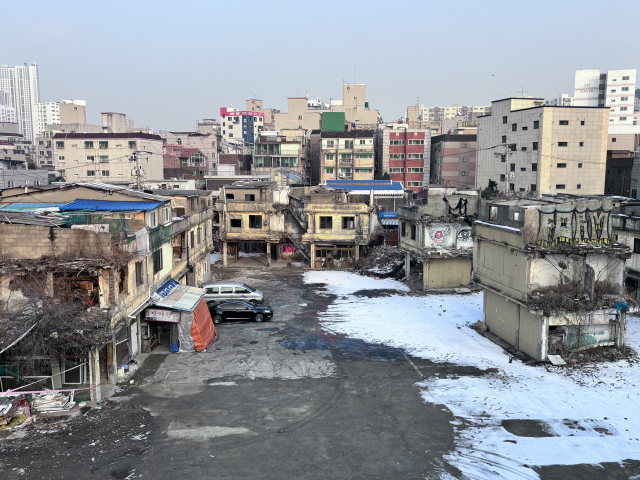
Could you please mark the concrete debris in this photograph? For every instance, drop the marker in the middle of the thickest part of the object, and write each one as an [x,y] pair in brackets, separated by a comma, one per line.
[556,360]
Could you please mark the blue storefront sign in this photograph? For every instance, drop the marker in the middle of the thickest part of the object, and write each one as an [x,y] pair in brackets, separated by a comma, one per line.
[388,214]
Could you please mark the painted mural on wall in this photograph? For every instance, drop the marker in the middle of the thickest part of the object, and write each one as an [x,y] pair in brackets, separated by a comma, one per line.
[448,235]
[562,227]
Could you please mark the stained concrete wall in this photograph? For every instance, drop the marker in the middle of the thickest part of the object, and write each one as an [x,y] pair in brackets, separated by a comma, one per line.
[446,272]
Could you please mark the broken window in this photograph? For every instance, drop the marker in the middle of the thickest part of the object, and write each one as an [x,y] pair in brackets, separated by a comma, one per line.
[230,196]
[157,260]
[413,232]
[122,280]
[255,221]
[636,245]
[326,222]
[404,229]
[348,223]
[493,213]
[236,223]
[249,197]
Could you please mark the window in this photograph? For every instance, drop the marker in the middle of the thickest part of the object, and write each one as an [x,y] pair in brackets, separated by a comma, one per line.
[396,142]
[523,169]
[636,245]
[329,157]
[330,144]
[165,215]
[416,142]
[560,186]
[463,160]
[364,155]
[625,78]
[329,170]
[105,173]
[396,156]
[493,213]
[503,158]
[624,99]
[512,187]
[524,149]
[104,144]
[91,173]
[413,232]
[346,156]
[132,144]
[514,127]
[152,220]
[562,144]
[348,223]
[91,158]
[235,223]
[299,117]
[415,170]
[579,186]
[504,139]
[415,156]
[348,144]
[249,197]
[396,170]
[623,119]
[255,221]
[562,165]
[230,196]
[613,139]
[140,273]
[464,174]
[534,167]
[535,146]
[536,124]
[88,144]
[104,158]
[513,147]
[326,222]
[623,109]
[59,144]
[503,177]
[414,184]
[403,229]
[62,172]
[625,89]
[157,260]
[512,167]
[61,158]
[364,170]
[10,184]
[564,122]
[362,142]
[533,187]
[504,120]
[581,122]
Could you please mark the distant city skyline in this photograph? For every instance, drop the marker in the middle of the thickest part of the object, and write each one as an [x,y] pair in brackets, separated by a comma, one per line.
[169,78]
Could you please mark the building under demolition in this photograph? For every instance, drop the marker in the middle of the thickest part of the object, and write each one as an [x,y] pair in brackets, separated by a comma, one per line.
[437,230]
[552,273]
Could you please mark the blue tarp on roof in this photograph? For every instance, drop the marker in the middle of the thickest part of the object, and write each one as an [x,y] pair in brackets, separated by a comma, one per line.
[28,207]
[109,206]
[365,184]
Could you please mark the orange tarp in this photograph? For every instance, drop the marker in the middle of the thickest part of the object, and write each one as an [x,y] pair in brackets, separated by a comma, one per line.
[203,330]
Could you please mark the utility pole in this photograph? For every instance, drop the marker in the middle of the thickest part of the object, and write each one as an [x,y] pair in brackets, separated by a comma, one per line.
[137,169]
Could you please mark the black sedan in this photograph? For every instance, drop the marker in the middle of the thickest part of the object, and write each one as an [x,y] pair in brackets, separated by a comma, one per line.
[235,310]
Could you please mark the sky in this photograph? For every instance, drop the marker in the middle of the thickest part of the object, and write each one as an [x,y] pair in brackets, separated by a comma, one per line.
[169,64]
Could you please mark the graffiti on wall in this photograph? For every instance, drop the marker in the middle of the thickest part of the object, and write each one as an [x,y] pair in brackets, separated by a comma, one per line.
[573,227]
[448,235]
[439,235]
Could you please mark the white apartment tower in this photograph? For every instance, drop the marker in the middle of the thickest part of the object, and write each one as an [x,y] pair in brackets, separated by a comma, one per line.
[7,112]
[614,89]
[56,113]
[23,86]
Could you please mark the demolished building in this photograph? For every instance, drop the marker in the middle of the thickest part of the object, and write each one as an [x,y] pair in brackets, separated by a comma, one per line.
[436,229]
[552,273]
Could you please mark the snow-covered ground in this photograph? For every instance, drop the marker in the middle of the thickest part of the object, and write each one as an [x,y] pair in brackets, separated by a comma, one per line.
[591,416]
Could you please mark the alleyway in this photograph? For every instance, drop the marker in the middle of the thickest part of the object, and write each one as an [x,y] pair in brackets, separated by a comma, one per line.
[291,399]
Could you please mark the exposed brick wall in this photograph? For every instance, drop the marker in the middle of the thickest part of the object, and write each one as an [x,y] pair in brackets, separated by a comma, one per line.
[33,241]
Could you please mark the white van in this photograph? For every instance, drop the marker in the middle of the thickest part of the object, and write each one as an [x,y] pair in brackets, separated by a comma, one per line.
[225,290]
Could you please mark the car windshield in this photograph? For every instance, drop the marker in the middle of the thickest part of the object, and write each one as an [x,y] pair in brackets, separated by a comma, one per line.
[251,289]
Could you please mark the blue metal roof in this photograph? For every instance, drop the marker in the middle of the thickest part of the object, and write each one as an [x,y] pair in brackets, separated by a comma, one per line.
[365,184]
[109,206]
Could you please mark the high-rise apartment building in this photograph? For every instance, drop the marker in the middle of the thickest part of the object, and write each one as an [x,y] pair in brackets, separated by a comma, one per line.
[356,108]
[438,114]
[346,155]
[7,112]
[453,158]
[563,100]
[528,147]
[614,89]
[23,85]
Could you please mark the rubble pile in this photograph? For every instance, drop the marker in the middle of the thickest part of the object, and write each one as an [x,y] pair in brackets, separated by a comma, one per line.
[381,261]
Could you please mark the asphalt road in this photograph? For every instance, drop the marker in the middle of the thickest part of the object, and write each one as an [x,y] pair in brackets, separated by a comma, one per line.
[275,400]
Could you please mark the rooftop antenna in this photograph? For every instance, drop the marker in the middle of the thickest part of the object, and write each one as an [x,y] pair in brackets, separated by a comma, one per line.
[523,91]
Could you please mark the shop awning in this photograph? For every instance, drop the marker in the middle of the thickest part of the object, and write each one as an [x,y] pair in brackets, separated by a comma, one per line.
[178,297]
[388,222]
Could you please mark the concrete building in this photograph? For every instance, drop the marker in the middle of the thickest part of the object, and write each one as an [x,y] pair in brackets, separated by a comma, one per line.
[183,162]
[7,112]
[14,173]
[528,147]
[453,159]
[113,122]
[563,100]
[55,113]
[614,89]
[356,108]
[438,114]
[209,126]
[298,116]
[404,152]
[552,273]
[347,155]
[437,230]
[108,157]
[241,127]
[23,85]
[255,105]
[278,157]
[205,142]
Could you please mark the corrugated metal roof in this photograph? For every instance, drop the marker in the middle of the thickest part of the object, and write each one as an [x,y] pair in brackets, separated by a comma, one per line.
[30,219]
[109,206]
[28,207]
[182,297]
[121,189]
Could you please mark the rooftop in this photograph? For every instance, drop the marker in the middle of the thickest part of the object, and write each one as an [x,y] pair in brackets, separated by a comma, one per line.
[351,134]
[109,206]
[183,193]
[260,185]
[88,136]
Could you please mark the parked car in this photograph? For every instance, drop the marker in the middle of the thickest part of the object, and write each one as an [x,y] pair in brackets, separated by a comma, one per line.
[226,290]
[235,310]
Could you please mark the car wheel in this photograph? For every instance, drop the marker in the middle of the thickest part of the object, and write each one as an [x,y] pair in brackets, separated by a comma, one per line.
[259,317]
[217,319]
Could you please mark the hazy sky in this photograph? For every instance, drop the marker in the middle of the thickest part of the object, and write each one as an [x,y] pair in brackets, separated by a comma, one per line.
[168,64]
